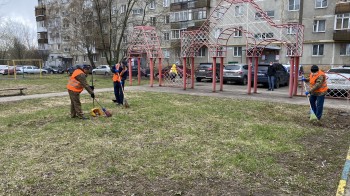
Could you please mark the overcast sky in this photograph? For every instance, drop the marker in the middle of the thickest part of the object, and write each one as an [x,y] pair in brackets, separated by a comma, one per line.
[19,10]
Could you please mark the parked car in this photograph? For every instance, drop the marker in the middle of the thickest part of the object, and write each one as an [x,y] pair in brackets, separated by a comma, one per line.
[338,79]
[236,73]
[205,71]
[102,69]
[55,69]
[9,70]
[30,69]
[134,71]
[281,78]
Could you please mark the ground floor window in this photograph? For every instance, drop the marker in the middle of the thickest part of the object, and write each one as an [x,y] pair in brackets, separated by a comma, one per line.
[317,49]
[345,49]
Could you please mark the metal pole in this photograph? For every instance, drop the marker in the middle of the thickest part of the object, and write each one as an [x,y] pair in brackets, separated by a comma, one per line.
[139,70]
[291,77]
[159,68]
[256,74]
[192,72]
[184,72]
[296,76]
[249,86]
[130,71]
[214,74]
[152,71]
[221,73]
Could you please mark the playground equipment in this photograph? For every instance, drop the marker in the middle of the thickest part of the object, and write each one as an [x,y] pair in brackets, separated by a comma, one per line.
[144,39]
[257,27]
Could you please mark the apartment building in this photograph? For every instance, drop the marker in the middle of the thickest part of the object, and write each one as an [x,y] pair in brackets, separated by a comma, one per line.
[326,36]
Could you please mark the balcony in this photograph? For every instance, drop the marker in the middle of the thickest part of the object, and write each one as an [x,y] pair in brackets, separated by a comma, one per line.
[40,11]
[188,25]
[189,5]
[40,18]
[342,7]
[341,35]
[43,41]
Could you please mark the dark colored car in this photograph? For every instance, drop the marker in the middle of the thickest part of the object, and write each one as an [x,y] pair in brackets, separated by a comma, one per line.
[236,73]
[281,78]
[142,70]
[55,69]
[205,71]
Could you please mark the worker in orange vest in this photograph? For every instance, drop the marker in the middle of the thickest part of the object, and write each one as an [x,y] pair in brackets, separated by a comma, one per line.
[119,70]
[318,90]
[76,84]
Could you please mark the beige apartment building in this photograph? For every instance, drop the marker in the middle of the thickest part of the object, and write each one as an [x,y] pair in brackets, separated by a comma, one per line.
[326,35]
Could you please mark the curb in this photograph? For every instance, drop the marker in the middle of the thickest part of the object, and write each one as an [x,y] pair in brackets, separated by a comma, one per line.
[344,176]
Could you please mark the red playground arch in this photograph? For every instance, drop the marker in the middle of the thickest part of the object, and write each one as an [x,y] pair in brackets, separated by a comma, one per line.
[231,16]
[144,39]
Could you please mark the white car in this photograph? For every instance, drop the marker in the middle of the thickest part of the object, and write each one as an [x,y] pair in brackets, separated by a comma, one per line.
[102,69]
[338,79]
[30,69]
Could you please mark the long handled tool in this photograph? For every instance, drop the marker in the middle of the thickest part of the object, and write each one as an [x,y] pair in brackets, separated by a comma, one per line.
[126,104]
[107,113]
[312,113]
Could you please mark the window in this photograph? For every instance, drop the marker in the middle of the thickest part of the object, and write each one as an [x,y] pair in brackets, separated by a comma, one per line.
[237,51]
[125,39]
[237,32]
[217,32]
[166,19]
[319,25]
[238,10]
[270,14]
[263,35]
[66,38]
[291,30]
[94,58]
[166,36]
[175,34]
[166,3]
[294,5]
[66,49]
[152,5]
[201,52]
[122,9]
[345,49]
[103,54]
[84,58]
[342,21]
[317,49]
[320,3]
[137,11]
[166,53]
[152,21]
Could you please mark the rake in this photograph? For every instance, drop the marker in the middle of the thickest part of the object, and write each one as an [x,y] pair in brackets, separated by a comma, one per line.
[126,104]
[107,113]
[312,113]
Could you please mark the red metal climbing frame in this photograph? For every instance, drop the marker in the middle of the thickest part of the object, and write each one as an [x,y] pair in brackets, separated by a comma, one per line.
[144,39]
[230,20]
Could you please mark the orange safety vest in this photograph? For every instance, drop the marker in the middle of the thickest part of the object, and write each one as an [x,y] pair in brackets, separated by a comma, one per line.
[73,84]
[313,78]
[116,76]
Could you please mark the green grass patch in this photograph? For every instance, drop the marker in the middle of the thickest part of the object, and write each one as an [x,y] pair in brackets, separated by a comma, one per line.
[166,144]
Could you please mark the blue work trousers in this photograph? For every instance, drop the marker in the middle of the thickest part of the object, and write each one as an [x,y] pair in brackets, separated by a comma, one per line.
[316,103]
[118,92]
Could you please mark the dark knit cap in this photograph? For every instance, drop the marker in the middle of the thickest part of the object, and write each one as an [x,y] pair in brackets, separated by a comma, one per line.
[314,68]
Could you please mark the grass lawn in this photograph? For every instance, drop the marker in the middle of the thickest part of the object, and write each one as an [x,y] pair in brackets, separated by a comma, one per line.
[51,83]
[167,144]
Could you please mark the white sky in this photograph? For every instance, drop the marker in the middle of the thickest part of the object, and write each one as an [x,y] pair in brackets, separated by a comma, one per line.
[19,10]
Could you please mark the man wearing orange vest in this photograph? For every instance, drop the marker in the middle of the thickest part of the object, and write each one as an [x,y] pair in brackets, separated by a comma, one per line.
[76,84]
[119,76]
[318,90]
